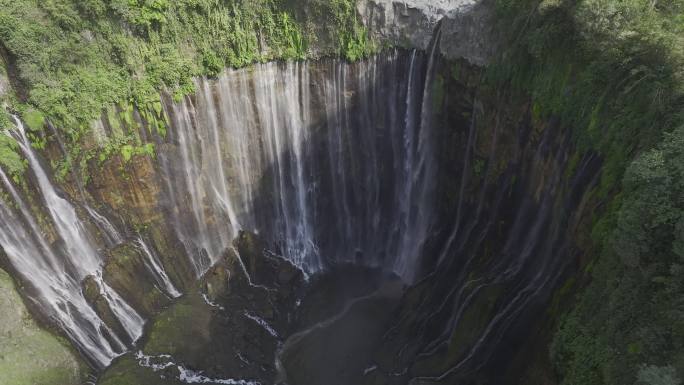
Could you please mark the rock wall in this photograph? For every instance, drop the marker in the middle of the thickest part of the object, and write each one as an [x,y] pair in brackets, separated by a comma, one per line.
[466,26]
[501,181]
[515,196]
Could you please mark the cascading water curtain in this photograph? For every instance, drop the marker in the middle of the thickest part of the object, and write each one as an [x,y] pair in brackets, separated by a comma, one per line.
[331,161]
[55,277]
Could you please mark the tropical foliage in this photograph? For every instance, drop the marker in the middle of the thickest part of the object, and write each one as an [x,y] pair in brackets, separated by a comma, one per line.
[74,59]
[614,71]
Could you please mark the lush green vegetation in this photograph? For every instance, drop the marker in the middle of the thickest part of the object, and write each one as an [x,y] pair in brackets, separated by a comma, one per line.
[9,156]
[75,59]
[630,320]
[613,70]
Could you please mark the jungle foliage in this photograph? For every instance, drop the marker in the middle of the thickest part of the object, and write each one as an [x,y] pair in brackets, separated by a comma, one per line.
[74,59]
[614,71]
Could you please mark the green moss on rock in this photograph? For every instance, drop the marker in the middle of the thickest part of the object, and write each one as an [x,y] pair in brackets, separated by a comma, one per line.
[28,354]
[181,328]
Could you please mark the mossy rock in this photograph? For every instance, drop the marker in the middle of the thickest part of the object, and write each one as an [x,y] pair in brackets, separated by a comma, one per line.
[127,273]
[93,294]
[181,328]
[28,354]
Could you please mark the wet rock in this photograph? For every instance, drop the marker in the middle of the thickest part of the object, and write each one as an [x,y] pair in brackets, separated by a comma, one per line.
[215,282]
[265,266]
[172,253]
[131,188]
[128,371]
[92,292]
[126,271]
[229,325]
[466,25]
[183,330]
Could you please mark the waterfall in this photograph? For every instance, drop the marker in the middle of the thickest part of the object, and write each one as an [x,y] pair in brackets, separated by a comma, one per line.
[110,232]
[56,276]
[155,267]
[63,214]
[55,289]
[306,154]
[330,161]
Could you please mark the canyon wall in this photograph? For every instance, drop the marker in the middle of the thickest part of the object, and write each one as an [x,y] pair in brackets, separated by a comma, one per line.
[406,161]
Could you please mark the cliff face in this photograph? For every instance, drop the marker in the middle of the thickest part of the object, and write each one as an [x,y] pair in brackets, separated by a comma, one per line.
[509,188]
[514,208]
[466,25]
[406,162]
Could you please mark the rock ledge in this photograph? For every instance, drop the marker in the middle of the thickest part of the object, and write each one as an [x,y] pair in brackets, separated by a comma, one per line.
[466,25]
